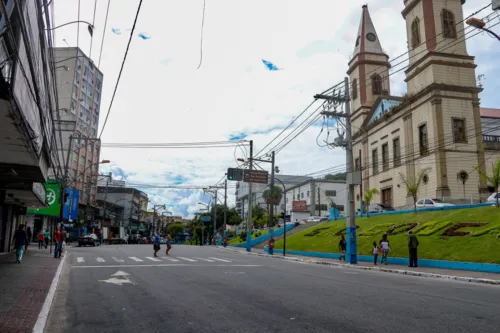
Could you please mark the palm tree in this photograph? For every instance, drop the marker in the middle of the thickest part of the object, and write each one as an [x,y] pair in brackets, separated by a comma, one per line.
[273,195]
[368,197]
[494,179]
[413,185]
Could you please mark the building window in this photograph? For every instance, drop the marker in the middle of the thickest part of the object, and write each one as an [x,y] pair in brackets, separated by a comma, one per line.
[396,148]
[302,195]
[423,140]
[448,21]
[75,156]
[354,88]
[357,164]
[286,200]
[321,207]
[82,160]
[376,84]
[375,161]
[385,156]
[331,193]
[298,196]
[415,33]
[308,194]
[459,130]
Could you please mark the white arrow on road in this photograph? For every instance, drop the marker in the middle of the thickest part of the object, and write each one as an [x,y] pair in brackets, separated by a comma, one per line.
[119,278]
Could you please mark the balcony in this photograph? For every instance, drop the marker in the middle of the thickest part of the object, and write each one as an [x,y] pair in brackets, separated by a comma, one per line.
[491,142]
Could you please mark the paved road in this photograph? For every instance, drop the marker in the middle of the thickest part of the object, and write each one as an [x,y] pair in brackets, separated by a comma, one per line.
[205,289]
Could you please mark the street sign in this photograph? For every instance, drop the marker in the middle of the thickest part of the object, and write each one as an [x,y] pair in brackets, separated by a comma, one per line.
[255,176]
[206,218]
[52,200]
[299,206]
[235,174]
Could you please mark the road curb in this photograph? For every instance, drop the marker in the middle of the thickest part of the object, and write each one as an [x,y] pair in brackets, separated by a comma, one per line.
[44,313]
[380,269]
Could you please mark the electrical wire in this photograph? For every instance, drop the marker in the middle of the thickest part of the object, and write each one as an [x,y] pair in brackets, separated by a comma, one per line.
[122,66]
[78,27]
[201,37]
[93,25]
[103,34]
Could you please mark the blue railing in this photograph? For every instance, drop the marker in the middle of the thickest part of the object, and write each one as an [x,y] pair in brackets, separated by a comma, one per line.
[265,237]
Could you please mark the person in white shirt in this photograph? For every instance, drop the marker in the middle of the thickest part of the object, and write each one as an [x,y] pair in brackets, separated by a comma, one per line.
[385,245]
[375,252]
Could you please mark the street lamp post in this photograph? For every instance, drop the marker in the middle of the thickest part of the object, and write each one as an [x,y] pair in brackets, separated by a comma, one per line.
[481,25]
[284,215]
[90,26]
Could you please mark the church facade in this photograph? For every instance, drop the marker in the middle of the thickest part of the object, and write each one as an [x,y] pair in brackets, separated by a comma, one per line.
[436,127]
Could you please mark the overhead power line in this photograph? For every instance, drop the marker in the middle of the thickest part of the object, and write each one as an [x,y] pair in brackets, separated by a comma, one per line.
[121,68]
[103,35]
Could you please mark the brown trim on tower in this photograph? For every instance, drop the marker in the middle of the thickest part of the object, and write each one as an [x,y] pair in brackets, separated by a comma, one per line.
[361,56]
[409,7]
[479,142]
[429,24]
[441,63]
[367,62]
[395,131]
[438,54]
[362,84]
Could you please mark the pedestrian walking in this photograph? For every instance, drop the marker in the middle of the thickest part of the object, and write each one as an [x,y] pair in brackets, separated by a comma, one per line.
[58,239]
[342,248]
[376,250]
[386,246]
[412,248]
[224,242]
[46,237]
[271,245]
[19,241]
[41,237]
[156,243]
[169,243]
[68,238]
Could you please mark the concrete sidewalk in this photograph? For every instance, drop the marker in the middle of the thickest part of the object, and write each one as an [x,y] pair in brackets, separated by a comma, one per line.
[459,275]
[24,288]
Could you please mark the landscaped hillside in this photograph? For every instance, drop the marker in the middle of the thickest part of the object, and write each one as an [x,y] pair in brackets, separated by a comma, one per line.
[461,235]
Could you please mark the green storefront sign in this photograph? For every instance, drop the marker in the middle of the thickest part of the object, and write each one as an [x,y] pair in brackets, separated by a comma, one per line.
[52,192]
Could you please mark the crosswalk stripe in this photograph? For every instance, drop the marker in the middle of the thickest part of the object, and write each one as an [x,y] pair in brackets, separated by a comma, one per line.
[99,259]
[135,259]
[80,259]
[187,259]
[224,260]
[171,259]
[153,259]
[117,260]
[204,259]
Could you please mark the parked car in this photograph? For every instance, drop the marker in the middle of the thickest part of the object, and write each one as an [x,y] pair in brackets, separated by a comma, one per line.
[314,219]
[379,208]
[135,239]
[90,239]
[493,197]
[429,203]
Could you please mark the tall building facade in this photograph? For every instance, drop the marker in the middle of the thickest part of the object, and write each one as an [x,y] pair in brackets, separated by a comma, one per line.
[435,127]
[27,105]
[79,84]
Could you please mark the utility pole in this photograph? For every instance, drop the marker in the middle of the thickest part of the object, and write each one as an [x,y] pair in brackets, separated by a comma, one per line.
[353,177]
[225,207]
[108,178]
[215,215]
[319,203]
[250,207]
[271,206]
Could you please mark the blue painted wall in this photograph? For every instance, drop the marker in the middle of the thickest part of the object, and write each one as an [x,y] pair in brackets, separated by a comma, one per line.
[265,237]
[442,264]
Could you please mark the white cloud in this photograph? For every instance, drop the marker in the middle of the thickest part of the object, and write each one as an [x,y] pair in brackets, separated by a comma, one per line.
[171,101]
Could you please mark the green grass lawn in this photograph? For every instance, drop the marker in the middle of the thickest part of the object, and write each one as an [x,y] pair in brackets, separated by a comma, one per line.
[238,240]
[482,244]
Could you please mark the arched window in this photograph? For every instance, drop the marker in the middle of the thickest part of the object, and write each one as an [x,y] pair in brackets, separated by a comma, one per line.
[415,33]
[448,22]
[376,84]
[354,88]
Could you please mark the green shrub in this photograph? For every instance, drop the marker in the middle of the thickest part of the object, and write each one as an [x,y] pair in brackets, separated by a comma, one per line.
[430,228]
[495,230]
[375,229]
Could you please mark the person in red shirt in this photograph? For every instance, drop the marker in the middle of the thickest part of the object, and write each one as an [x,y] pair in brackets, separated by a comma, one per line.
[59,240]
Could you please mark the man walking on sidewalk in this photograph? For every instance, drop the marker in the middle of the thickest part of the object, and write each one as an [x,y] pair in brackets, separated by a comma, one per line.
[58,240]
[19,241]
[412,247]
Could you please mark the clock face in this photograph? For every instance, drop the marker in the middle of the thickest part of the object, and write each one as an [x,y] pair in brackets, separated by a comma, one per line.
[371,37]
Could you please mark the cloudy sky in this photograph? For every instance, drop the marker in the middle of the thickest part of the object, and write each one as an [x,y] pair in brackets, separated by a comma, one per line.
[164,98]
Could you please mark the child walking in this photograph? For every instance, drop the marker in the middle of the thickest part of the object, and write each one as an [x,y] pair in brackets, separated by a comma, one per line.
[375,252]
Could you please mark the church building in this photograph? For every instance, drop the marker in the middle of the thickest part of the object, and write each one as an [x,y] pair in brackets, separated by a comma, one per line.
[436,127]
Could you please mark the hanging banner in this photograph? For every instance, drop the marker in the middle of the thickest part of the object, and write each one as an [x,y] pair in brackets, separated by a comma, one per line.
[75,198]
[52,194]
[67,203]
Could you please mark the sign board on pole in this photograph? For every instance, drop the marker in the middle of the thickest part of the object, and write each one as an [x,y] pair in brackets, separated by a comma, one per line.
[74,204]
[52,199]
[255,176]
[206,218]
[299,206]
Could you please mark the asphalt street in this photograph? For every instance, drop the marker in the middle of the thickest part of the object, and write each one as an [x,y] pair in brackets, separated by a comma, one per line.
[122,288]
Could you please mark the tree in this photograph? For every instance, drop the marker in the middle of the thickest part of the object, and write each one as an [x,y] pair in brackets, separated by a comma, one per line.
[234,220]
[494,179]
[413,184]
[176,228]
[368,197]
[337,176]
[273,195]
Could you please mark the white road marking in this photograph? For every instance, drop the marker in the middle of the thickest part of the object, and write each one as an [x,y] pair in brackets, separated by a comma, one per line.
[121,273]
[117,260]
[171,259]
[117,281]
[135,259]
[223,260]
[99,259]
[153,259]
[164,265]
[80,259]
[209,260]
[187,259]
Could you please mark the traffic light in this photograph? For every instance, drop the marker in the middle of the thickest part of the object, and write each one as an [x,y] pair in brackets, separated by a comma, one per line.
[235,174]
